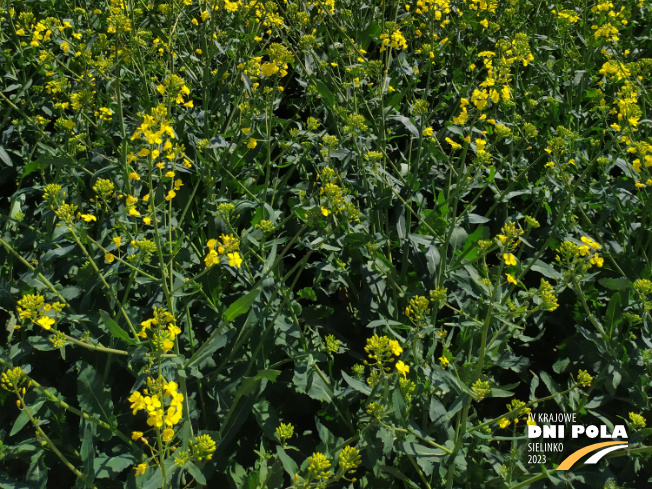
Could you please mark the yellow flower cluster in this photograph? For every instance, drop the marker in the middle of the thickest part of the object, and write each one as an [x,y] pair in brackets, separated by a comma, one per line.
[284,432]
[39,31]
[267,15]
[32,307]
[418,309]
[334,198]
[349,459]
[203,447]
[227,246]
[484,5]
[66,212]
[162,404]
[319,466]
[176,88]
[481,389]
[584,379]
[104,188]
[607,25]
[232,6]
[579,258]
[279,59]
[162,330]
[118,20]
[380,349]
[521,49]
[643,289]
[517,407]
[12,379]
[547,296]
[392,37]
[637,421]
[435,9]
[154,126]
[568,16]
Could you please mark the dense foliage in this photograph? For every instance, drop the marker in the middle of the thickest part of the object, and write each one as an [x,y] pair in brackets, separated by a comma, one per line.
[310,243]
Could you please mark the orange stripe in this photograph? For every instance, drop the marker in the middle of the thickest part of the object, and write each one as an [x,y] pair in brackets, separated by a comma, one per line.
[575,456]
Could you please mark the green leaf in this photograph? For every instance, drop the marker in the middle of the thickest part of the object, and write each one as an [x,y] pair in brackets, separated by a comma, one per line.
[546,270]
[373,30]
[513,362]
[407,123]
[289,465]
[87,452]
[194,471]
[307,380]
[440,418]
[22,419]
[155,481]
[94,397]
[242,305]
[614,312]
[560,365]
[110,466]
[361,387]
[550,383]
[356,239]
[325,93]
[267,418]
[216,341]
[64,250]
[307,293]
[243,402]
[417,450]
[615,283]
[425,456]
[30,168]
[4,156]
[115,330]
[458,237]
[500,393]
[474,219]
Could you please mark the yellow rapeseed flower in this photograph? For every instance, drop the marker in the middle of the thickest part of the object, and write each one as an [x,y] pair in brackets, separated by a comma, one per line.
[269,69]
[46,322]
[402,368]
[234,259]
[395,347]
[211,259]
[167,435]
